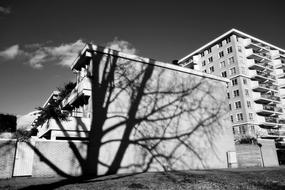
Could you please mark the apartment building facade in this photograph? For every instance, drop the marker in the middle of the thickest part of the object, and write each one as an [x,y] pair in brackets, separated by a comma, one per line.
[257,89]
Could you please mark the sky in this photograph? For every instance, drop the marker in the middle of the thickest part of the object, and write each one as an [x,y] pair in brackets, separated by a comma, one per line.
[40,39]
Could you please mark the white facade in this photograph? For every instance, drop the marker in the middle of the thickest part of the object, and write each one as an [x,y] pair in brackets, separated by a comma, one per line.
[257,89]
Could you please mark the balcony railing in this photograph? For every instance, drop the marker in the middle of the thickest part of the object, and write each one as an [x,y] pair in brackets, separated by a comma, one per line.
[264,55]
[271,119]
[269,86]
[265,74]
[276,132]
[266,65]
[271,97]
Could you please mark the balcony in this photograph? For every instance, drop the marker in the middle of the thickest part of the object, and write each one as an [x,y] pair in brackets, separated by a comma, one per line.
[277,63]
[276,132]
[266,122]
[281,83]
[260,57]
[253,64]
[261,76]
[280,73]
[83,88]
[257,47]
[72,127]
[282,92]
[267,110]
[271,119]
[263,87]
[264,98]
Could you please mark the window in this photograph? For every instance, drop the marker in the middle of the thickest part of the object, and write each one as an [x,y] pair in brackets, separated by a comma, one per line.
[205,71]
[236,130]
[228,95]
[239,49]
[230,50]
[239,117]
[202,54]
[203,63]
[220,44]
[232,118]
[230,107]
[248,104]
[231,60]
[209,50]
[212,69]
[250,115]
[234,82]
[252,128]
[243,129]
[210,59]
[244,81]
[236,93]
[221,54]
[238,105]
[233,71]
[228,40]
[224,74]
[223,64]
[246,92]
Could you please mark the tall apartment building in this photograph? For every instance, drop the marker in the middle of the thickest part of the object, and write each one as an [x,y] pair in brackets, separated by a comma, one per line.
[257,90]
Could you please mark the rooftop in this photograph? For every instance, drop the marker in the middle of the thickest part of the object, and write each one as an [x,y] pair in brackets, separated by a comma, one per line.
[232,31]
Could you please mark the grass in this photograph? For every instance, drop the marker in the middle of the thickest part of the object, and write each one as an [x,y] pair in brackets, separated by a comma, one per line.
[248,178]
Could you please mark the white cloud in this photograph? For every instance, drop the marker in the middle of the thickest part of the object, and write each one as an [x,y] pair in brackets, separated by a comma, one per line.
[122,45]
[36,55]
[5,10]
[11,52]
[66,53]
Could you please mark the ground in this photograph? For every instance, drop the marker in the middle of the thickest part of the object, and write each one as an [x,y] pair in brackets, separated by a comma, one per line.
[246,178]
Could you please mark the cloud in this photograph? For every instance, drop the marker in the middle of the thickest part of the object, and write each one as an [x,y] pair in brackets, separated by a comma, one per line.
[37,55]
[11,52]
[122,45]
[66,53]
[5,10]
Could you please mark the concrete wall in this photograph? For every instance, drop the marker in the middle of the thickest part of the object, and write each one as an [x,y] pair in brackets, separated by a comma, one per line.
[205,147]
[251,155]
[269,153]
[62,158]
[248,155]
[7,156]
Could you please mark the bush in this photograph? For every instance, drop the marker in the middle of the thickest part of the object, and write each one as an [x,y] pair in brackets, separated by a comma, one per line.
[246,140]
[8,123]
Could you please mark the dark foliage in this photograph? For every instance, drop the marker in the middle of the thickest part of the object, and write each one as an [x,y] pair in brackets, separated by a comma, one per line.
[8,123]
[53,109]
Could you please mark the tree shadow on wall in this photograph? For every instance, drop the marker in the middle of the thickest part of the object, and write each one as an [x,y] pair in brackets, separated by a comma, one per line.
[144,118]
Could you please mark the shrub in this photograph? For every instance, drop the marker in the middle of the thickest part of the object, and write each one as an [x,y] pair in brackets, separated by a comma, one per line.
[8,123]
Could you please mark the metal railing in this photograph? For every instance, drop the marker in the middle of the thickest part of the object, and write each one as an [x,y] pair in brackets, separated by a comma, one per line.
[267,96]
[264,55]
[272,108]
[269,86]
[265,74]
[271,119]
